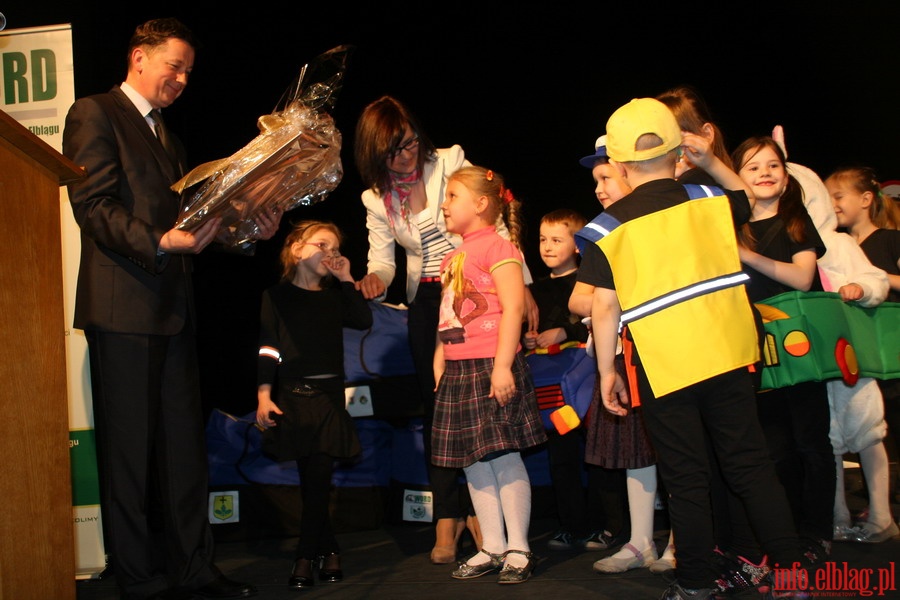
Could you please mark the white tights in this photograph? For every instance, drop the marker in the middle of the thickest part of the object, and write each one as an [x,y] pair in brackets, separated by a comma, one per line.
[876,469]
[501,495]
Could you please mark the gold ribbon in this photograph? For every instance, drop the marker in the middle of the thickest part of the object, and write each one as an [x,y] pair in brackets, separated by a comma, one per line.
[265,123]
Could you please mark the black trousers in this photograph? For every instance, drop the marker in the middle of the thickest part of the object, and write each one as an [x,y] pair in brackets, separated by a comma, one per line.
[796,421]
[152,460]
[721,412]
[566,456]
[450,495]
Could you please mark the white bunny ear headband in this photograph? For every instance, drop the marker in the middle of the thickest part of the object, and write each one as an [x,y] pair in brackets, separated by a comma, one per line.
[778,136]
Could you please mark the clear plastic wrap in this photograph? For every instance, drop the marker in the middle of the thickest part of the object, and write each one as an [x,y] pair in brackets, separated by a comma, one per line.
[294,161]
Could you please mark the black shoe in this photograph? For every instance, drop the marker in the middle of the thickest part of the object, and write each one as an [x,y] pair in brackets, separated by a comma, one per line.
[222,587]
[676,592]
[173,594]
[602,540]
[815,550]
[330,568]
[302,574]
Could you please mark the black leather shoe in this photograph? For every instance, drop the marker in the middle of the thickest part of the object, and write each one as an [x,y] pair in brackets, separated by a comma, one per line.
[173,594]
[222,587]
[301,574]
[330,567]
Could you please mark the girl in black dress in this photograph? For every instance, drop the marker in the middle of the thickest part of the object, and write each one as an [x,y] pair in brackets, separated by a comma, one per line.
[300,381]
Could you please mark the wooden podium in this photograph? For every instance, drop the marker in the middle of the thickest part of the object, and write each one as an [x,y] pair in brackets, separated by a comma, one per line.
[37,549]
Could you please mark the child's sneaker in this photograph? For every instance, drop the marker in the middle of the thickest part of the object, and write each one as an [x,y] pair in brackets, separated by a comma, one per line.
[563,540]
[816,551]
[737,574]
[601,540]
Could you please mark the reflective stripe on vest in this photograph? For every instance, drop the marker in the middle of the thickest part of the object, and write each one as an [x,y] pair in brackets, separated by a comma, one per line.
[698,289]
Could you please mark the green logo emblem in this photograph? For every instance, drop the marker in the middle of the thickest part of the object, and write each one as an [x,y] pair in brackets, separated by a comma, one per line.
[224,507]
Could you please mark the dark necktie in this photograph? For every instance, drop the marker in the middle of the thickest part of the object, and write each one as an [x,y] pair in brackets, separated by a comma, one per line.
[163,134]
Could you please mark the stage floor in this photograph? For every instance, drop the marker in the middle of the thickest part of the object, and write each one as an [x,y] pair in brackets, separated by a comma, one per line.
[391,562]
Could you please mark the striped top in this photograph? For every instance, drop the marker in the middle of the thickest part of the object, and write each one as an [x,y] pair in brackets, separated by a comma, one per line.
[434,245]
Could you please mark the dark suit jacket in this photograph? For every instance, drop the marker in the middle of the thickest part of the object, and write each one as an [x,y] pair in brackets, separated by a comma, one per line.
[123,207]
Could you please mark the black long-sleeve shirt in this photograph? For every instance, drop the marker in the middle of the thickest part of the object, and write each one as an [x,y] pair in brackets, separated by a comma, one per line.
[304,329]
[551,294]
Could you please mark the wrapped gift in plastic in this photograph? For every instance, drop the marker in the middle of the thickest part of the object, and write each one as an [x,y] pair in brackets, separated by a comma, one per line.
[294,161]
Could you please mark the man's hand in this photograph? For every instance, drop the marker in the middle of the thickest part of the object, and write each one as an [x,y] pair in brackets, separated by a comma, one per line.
[177,241]
[268,221]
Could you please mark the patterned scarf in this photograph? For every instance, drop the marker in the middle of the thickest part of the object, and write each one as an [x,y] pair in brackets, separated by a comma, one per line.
[401,187]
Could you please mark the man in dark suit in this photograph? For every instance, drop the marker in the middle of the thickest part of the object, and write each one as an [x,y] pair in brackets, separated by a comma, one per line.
[134,302]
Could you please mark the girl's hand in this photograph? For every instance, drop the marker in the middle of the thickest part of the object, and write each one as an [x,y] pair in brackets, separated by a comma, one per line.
[339,266]
[850,292]
[503,386]
[696,149]
[264,409]
[438,364]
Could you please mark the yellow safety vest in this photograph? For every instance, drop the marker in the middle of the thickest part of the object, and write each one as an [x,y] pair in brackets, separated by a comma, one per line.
[689,314]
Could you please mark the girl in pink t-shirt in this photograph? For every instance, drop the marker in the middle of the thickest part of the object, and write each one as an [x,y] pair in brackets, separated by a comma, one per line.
[485,406]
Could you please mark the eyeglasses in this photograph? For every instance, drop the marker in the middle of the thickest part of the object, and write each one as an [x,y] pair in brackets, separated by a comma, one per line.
[409,146]
[325,248]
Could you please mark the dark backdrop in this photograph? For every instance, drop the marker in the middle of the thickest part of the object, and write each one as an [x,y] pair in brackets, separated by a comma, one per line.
[525,91]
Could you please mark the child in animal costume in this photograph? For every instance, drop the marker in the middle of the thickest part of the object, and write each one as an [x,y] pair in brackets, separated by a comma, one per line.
[857,412]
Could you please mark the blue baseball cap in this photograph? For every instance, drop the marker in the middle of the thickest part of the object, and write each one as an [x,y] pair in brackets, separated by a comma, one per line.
[600,152]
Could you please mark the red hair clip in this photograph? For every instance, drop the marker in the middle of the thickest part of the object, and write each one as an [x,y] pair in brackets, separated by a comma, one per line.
[506,195]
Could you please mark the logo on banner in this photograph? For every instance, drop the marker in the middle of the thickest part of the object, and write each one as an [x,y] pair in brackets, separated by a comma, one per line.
[417,506]
[224,507]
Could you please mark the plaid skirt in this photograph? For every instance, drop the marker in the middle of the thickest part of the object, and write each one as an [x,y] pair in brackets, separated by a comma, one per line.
[615,442]
[468,425]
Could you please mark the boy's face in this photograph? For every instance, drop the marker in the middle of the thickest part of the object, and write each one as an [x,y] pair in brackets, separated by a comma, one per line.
[611,187]
[558,247]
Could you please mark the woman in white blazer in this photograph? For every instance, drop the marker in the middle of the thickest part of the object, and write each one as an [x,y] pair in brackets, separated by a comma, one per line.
[406,178]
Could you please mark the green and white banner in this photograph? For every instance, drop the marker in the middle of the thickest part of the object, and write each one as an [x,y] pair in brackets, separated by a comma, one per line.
[37,84]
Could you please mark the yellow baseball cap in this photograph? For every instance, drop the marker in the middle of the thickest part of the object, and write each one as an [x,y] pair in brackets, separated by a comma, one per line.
[640,117]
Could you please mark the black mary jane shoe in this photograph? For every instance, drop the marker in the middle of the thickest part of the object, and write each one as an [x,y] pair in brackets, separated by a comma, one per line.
[302,574]
[330,568]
